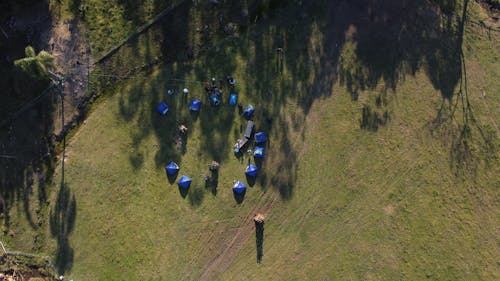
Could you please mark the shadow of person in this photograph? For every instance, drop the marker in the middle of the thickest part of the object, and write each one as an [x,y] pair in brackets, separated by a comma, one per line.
[259,240]
[214,182]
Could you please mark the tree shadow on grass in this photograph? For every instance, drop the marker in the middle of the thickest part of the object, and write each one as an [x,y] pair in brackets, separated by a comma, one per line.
[362,44]
[196,196]
[62,219]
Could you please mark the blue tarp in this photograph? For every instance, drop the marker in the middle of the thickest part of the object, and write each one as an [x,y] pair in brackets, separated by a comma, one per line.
[251,170]
[162,108]
[259,152]
[195,105]
[233,99]
[239,187]
[184,182]
[248,111]
[214,100]
[260,137]
[172,168]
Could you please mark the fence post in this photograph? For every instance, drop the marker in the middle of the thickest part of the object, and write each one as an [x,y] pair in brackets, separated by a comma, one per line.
[3,248]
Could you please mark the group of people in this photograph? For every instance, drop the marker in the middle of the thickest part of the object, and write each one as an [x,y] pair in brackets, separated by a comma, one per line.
[214,92]
[213,89]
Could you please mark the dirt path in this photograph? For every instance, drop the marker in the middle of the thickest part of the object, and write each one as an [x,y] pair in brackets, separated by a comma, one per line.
[225,257]
[73,58]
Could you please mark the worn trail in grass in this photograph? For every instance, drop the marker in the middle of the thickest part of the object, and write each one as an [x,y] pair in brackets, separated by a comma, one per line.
[368,189]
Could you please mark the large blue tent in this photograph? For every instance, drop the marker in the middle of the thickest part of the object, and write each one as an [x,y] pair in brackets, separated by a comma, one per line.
[259,152]
[172,168]
[233,99]
[215,100]
[184,182]
[162,108]
[195,105]
[251,170]
[260,137]
[239,187]
[248,111]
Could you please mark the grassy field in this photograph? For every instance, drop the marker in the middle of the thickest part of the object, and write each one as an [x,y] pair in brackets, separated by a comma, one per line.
[374,169]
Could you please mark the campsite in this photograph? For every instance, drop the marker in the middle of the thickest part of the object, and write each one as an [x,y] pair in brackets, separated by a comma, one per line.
[249,140]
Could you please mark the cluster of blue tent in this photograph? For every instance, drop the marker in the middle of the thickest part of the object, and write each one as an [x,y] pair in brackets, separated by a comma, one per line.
[239,187]
[195,105]
[172,169]
[251,170]
[185,182]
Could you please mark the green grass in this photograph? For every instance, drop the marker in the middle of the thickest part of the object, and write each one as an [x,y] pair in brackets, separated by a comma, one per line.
[389,202]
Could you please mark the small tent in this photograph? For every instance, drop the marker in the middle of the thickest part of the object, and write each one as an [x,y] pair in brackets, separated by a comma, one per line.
[172,168]
[259,152]
[251,170]
[162,108]
[260,137]
[195,105]
[233,99]
[184,182]
[214,100]
[248,111]
[239,187]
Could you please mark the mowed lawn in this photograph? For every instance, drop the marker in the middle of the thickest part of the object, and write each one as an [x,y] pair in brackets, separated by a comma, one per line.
[385,203]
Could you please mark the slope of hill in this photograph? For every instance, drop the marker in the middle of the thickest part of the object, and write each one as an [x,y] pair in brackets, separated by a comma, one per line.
[382,160]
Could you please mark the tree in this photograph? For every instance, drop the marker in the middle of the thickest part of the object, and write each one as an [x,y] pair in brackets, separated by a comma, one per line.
[35,66]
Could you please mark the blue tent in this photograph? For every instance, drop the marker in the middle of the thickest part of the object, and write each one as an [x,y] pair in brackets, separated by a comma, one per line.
[162,108]
[248,111]
[172,168]
[259,152]
[239,187]
[251,170]
[214,100]
[184,182]
[233,99]
[260,137]
[195,105]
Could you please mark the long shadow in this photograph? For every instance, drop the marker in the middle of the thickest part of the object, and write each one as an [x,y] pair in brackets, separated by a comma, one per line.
[26,111]
[212,182]
[259,240]
[62,221]
[363,44]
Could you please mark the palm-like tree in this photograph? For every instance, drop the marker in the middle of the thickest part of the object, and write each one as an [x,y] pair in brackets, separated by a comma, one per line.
[35,66]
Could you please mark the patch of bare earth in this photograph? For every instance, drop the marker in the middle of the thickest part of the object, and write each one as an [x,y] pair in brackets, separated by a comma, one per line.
[224,258]
[389,210]
[73,59]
